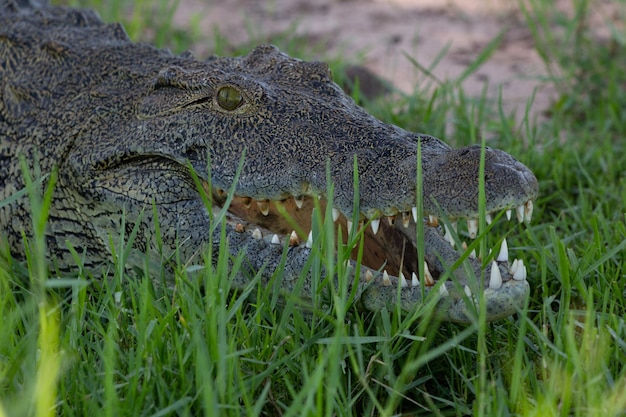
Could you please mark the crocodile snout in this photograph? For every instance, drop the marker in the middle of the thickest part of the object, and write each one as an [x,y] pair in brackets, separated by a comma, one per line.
[452,183]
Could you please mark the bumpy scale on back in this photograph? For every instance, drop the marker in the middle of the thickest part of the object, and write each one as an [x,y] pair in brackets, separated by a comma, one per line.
[122,123]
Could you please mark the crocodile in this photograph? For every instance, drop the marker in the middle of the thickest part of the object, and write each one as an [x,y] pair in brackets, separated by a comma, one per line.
[237,154]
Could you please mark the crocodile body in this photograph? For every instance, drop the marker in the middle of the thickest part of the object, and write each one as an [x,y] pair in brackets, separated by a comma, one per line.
[124,124]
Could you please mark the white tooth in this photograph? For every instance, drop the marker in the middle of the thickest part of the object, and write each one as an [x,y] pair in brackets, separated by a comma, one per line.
[256,233]
[443,290]
[433,220]
[391,220]
[264,207]
[414,280]
[472,227]
[528,211]
[519,211]
[386,280]
[368,276]
[448,236]
[414,211]
[520,272]
[472,253]
[275,240]
[309,240]
[514,266]
[403,281]
[508,214]
[299,201]
[336,214]
[406,219]
[349,224]
[428,278]
[495,279]
[375,224]
[503,256]
[294,240]
[467,290]
[488,218]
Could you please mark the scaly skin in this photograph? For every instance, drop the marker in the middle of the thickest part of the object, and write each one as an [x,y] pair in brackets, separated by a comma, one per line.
[122,123]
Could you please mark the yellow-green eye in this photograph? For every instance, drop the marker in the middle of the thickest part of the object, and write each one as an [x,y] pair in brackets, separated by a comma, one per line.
[229,98]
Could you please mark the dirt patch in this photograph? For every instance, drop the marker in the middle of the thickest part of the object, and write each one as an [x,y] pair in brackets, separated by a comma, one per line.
[382,32]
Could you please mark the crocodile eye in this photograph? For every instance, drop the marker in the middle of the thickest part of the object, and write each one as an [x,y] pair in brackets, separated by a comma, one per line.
[229,98]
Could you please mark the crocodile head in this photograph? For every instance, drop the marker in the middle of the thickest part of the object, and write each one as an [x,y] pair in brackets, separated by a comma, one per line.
[128,127]
[274,129]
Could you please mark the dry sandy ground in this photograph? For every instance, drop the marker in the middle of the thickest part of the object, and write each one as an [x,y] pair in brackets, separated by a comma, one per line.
[383,31]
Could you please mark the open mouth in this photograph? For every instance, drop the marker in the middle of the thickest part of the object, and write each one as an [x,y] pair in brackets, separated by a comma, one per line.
[390,246]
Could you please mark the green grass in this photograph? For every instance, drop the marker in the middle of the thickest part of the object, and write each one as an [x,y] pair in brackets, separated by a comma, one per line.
[127,346]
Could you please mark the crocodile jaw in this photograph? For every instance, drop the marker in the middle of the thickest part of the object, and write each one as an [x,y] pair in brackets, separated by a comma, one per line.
[389,258]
